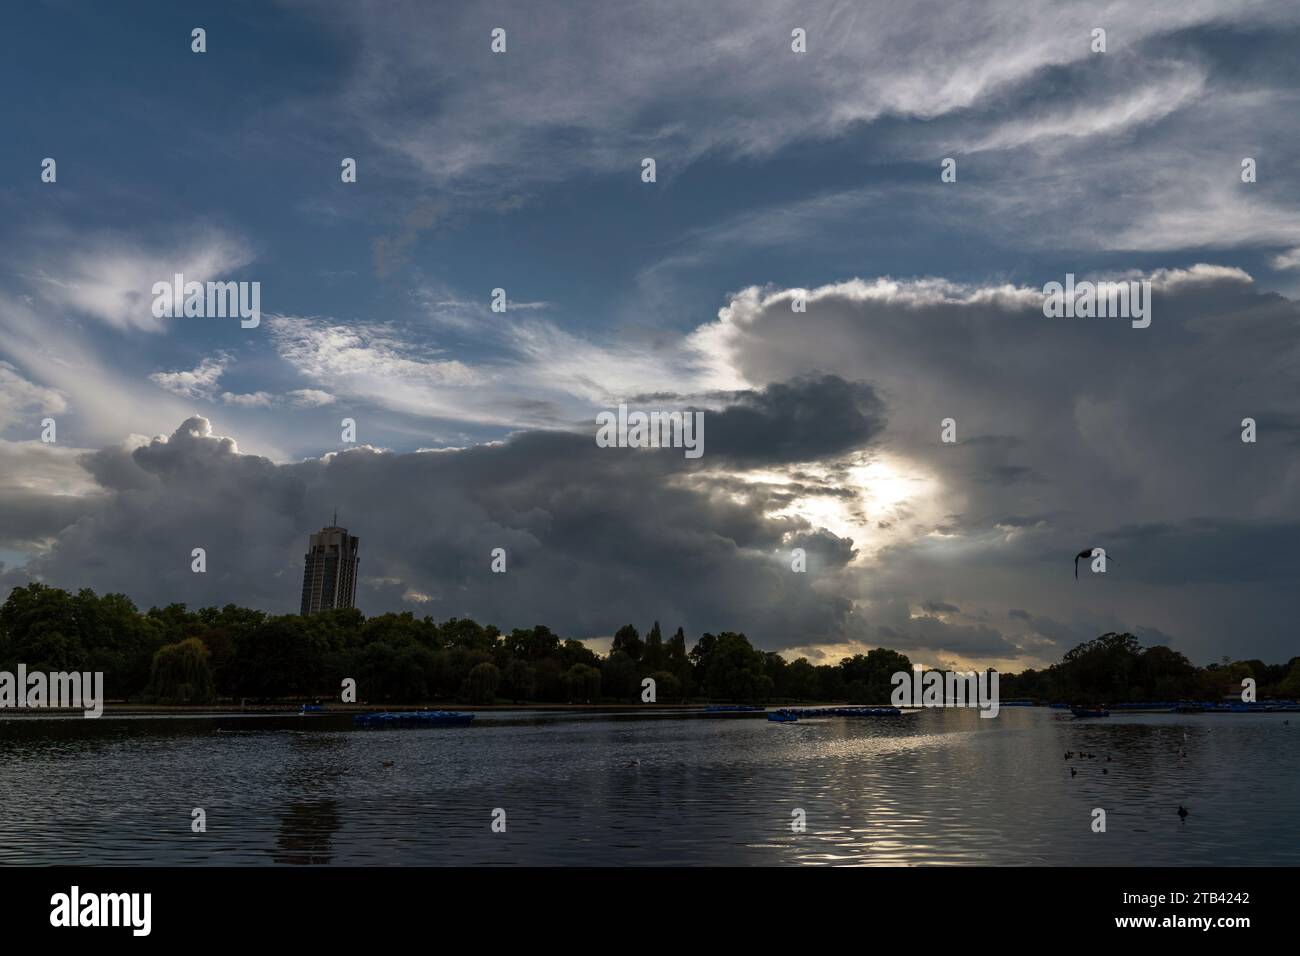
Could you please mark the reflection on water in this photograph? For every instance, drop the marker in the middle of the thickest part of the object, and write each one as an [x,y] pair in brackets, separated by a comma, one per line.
[305,832]
[938,787]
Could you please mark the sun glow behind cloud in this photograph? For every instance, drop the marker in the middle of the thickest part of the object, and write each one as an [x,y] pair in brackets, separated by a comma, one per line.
[892,500]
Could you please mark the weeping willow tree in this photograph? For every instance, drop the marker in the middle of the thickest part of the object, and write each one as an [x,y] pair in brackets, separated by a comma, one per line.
[181,674]
[481,684]
[583,683]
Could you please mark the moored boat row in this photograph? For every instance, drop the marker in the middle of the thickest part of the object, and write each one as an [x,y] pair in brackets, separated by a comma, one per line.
[423,718]
[842,711]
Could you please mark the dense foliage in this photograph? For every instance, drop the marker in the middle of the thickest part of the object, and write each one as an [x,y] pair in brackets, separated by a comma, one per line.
[1115,668]
[175,655]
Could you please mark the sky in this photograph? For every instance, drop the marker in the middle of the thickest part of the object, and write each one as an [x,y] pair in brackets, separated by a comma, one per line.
[779,176]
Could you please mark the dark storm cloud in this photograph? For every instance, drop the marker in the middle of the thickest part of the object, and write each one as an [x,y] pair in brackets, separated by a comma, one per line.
[594,537]
[1050,638]
[1150,636]
[933,636]
[825,551]
[116,468]
[1009,474]
[1021,521]
[1214,550]
[805,420]
[28,517]
[1137,451]
[1072,434]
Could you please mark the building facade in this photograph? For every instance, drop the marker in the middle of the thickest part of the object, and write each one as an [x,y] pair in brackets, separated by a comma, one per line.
[330,578]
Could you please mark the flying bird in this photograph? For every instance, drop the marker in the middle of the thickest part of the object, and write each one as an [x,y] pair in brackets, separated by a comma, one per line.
[1086,553]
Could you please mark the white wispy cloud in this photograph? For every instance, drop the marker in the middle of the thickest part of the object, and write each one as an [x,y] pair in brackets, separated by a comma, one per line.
[530,373]
[104,400]
[197,383]
[1136,101]
[310,397]
[249,399]
[111,278]
[22,400]
[589,85]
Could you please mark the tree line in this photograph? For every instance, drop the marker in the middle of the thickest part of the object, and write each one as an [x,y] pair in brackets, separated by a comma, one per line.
[1115,667]
[174,655]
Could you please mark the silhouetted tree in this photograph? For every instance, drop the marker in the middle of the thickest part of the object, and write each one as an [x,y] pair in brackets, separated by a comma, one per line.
[627,641]
[654,656]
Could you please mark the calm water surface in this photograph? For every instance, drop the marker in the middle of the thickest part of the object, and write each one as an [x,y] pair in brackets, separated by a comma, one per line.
[936,787]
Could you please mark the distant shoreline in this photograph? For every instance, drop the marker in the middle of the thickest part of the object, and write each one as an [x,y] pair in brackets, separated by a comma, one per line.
[120,709]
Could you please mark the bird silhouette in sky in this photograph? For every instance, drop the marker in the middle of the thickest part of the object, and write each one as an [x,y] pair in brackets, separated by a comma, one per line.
[1085,553]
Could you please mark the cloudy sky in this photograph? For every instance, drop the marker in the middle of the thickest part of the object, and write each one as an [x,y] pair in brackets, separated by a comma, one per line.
[779,174]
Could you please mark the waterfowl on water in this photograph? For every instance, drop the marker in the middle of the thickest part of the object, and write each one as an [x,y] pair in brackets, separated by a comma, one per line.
[1182,811]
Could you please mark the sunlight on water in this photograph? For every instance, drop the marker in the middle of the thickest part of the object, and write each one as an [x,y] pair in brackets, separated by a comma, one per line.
[938,787]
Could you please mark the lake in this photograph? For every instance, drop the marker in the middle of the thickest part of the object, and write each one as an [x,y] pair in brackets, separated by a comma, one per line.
[934,787]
